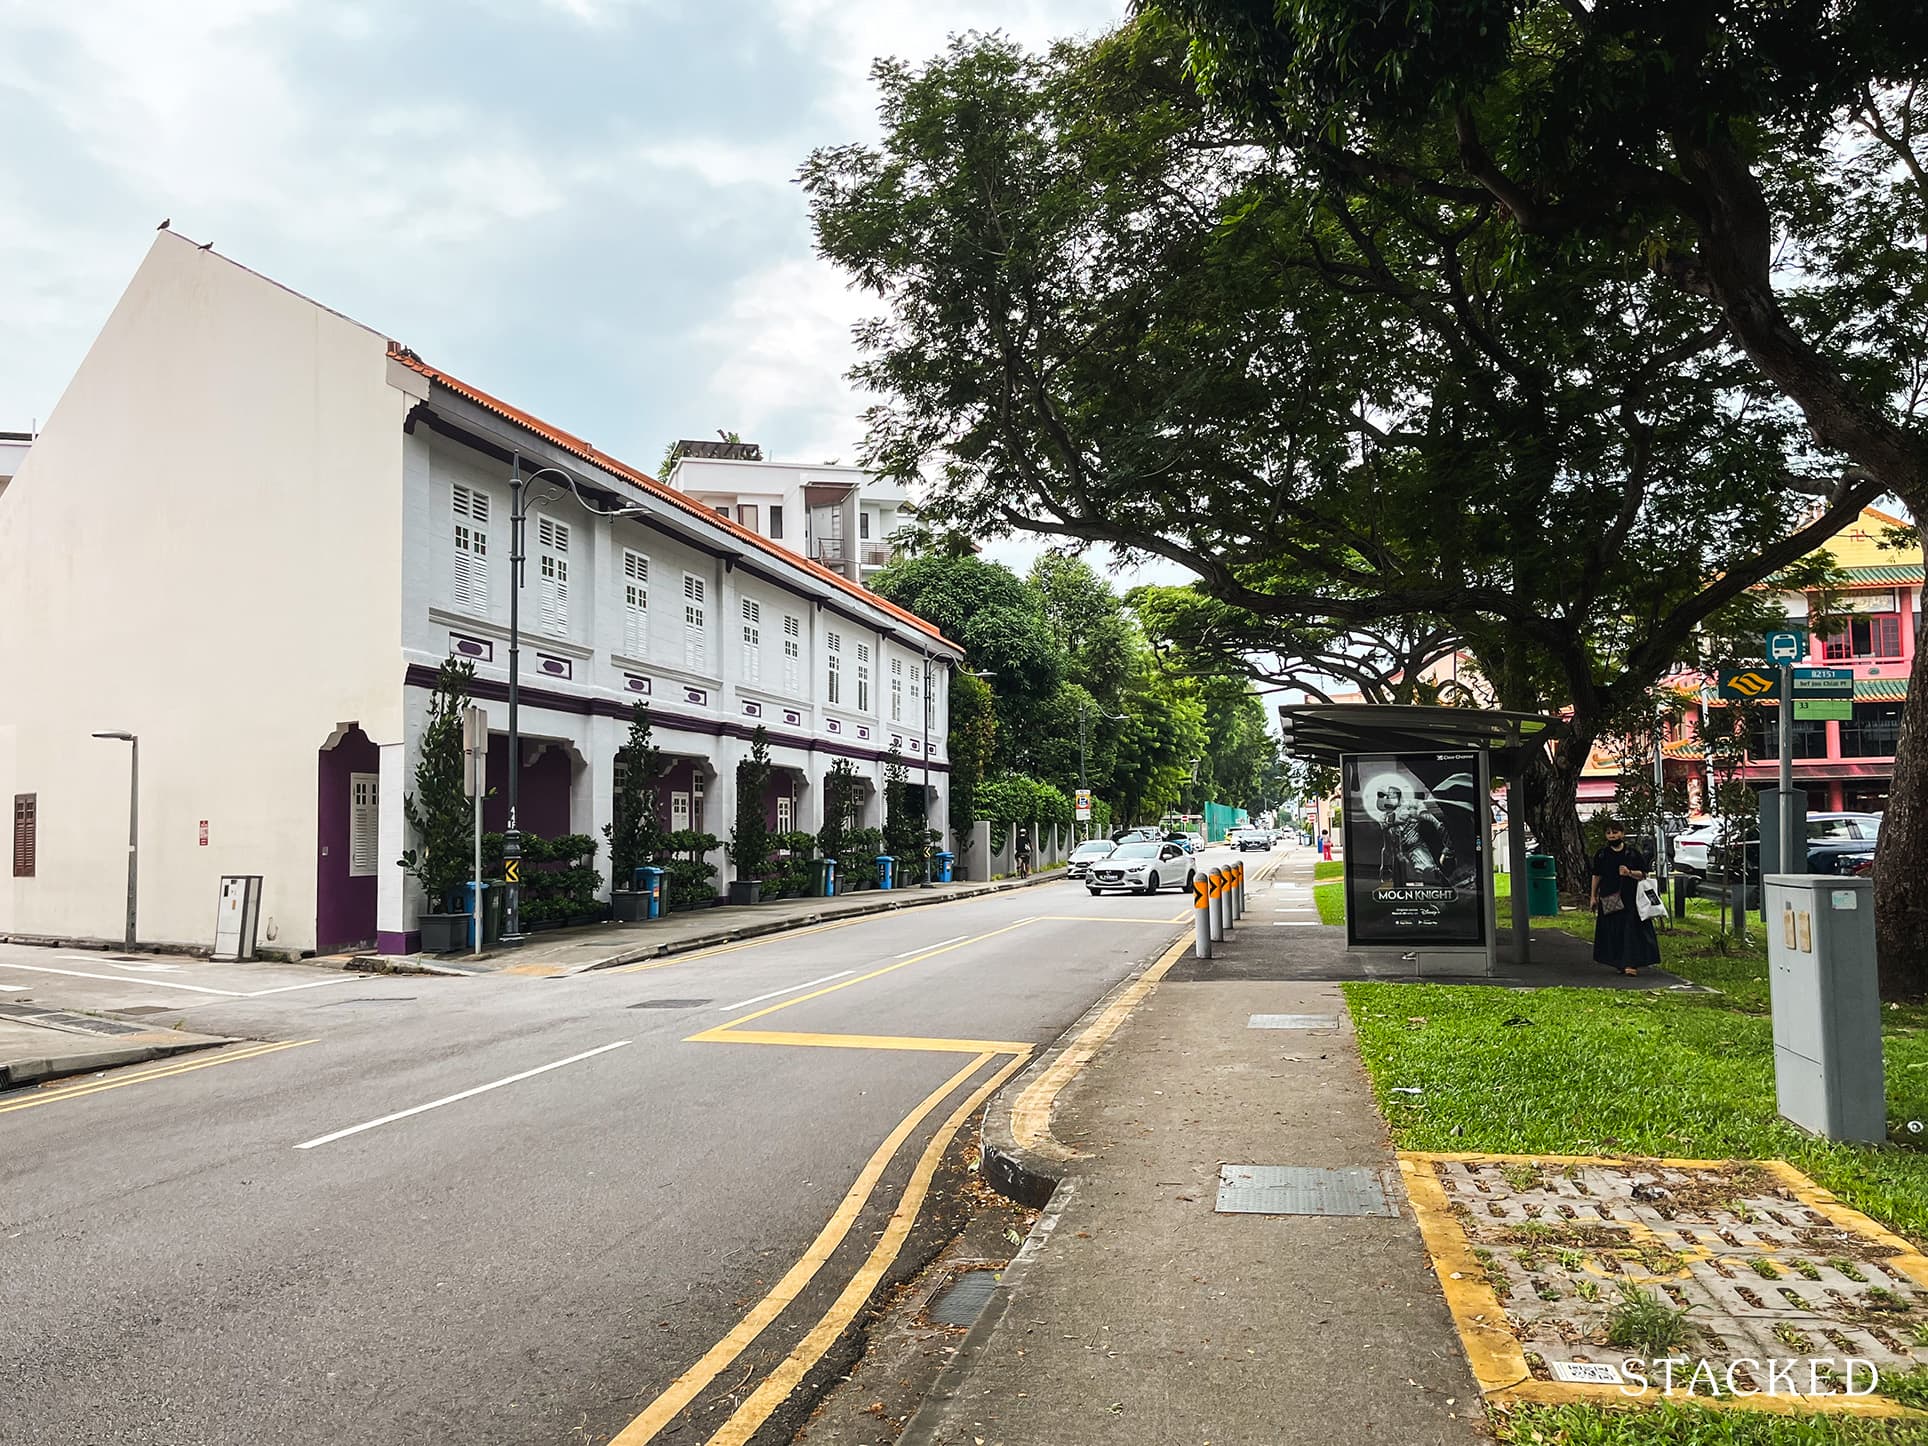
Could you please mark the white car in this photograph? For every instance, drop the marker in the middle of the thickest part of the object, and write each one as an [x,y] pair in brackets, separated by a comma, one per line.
[1086,854]
[1143,868]
[1691,845]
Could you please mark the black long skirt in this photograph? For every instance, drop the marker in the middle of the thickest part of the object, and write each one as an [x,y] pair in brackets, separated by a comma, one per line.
[1624,940]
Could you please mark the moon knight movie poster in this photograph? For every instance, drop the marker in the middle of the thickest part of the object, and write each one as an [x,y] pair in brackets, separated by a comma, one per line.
[1412,849]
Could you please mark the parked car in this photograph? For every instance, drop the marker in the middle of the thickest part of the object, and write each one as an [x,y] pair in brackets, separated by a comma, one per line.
[1246,839]
[1193,841]
[1086,854]
[1837,843]
[1691,845]
[1143,868]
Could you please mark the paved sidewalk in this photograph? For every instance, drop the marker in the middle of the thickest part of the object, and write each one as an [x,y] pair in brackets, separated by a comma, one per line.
[603,946]
[1137,1313]
[43,1044]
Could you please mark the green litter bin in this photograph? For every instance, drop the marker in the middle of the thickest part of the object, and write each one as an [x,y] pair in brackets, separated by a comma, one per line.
[1542,886]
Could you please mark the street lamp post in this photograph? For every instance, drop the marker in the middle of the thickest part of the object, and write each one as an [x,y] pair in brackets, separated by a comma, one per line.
[925,841]
[133,826]
[1084,710]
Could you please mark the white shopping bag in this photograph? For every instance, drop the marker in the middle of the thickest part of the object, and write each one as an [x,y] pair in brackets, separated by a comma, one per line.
[1648,900]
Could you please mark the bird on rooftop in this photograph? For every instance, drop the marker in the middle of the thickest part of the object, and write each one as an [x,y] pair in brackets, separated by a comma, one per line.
[166,221]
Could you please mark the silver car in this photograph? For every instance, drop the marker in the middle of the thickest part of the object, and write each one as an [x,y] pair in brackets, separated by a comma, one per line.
[1143,868]
[1086,854]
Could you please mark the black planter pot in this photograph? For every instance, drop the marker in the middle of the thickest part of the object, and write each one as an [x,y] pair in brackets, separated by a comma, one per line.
[629,906]
[444,933]
[746,891]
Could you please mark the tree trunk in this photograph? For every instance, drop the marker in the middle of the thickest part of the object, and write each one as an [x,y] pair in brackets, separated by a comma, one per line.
[1552,812]
[1900,883]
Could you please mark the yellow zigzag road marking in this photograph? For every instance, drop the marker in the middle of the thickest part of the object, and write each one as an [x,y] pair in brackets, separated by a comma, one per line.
[144,1076]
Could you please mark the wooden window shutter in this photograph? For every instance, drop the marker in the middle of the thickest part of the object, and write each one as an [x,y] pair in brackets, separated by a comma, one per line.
[26,826]
[364,825]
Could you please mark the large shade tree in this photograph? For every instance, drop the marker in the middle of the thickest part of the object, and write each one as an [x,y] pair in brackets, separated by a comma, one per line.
[1766,164]
[1111,317]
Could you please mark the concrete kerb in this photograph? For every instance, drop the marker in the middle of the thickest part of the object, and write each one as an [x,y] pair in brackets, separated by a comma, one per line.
[883,905]
[921,1427]
[22,1072]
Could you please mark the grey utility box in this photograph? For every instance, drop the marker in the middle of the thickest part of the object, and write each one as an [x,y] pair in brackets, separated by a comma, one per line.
[1827,1011]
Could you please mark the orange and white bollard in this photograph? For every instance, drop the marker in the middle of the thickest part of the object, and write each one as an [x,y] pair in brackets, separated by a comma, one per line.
[1201,916]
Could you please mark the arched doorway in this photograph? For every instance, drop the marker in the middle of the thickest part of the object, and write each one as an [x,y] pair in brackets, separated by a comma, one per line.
[347,842]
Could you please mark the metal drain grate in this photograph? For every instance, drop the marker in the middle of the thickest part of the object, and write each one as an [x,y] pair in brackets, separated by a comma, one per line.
[963,1300]
[1293,1021]
[1302,1190]
[671,1004]
[73,1023]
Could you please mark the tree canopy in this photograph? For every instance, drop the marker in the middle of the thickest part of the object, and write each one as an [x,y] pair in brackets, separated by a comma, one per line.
[1353,407]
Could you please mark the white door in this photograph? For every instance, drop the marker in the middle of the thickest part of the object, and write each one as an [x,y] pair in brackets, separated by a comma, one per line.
[679,812]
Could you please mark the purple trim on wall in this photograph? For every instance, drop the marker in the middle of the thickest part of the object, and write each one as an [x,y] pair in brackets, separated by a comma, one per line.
[555,667]
[752,710]
[344,905]
[482,650]
[389,942]
[636,684]
[862,732]
[419,675]
[695,695]
[833,725]
[792,717]
[897,742]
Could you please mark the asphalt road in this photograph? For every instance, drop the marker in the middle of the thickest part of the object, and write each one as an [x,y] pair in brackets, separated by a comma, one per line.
[237,1248]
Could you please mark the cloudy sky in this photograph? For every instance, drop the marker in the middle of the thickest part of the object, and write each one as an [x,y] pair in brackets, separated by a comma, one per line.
[585,206]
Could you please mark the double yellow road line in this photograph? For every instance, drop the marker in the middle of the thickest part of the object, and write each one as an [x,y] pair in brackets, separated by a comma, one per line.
[122,1078]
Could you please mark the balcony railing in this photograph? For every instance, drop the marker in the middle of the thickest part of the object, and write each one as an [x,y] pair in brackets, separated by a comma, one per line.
[876,554]
[828,550]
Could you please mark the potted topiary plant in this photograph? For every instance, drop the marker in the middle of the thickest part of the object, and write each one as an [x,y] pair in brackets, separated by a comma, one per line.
[632,834]
[750,839]
[833,839]
[440,814]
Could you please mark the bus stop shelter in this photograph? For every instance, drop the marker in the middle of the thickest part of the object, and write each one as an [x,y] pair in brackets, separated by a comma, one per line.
[1417,786]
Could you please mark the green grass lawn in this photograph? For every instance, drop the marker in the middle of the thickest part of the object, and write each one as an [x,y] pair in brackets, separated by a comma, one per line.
[1670,1425]
[1615,1071]
[1331,899]
[1329,869]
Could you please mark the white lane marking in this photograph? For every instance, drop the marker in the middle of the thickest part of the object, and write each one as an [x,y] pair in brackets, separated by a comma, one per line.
[922,948]
[14,988]
[774,993]
[171,983]
[451,1099]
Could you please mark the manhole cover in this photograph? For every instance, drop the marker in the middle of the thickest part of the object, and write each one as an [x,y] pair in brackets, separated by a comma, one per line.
[1293,1021]
[963,1300]
[1301,1190]
[671,1004]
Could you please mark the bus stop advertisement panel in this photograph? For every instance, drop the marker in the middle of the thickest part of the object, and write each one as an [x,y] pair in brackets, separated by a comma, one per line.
[1415,830]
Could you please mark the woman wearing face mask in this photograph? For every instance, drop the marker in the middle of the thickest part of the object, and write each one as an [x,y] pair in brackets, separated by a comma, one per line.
[1622,940]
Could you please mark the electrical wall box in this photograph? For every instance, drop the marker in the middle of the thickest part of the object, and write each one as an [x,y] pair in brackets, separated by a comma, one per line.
[237,918]
[1827,1009]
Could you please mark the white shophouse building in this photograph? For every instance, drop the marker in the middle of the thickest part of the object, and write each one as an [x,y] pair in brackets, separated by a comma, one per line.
[252,530]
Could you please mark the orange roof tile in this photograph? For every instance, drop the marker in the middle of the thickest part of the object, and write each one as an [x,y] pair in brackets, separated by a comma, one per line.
[577,447]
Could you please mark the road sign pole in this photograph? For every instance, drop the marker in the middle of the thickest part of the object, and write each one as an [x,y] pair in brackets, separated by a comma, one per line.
[1786,799]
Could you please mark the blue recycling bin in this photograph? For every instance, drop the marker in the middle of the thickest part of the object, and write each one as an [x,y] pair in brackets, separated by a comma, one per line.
[886,871]
[823,878]
[651,880]
[945,861]
[492,901]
